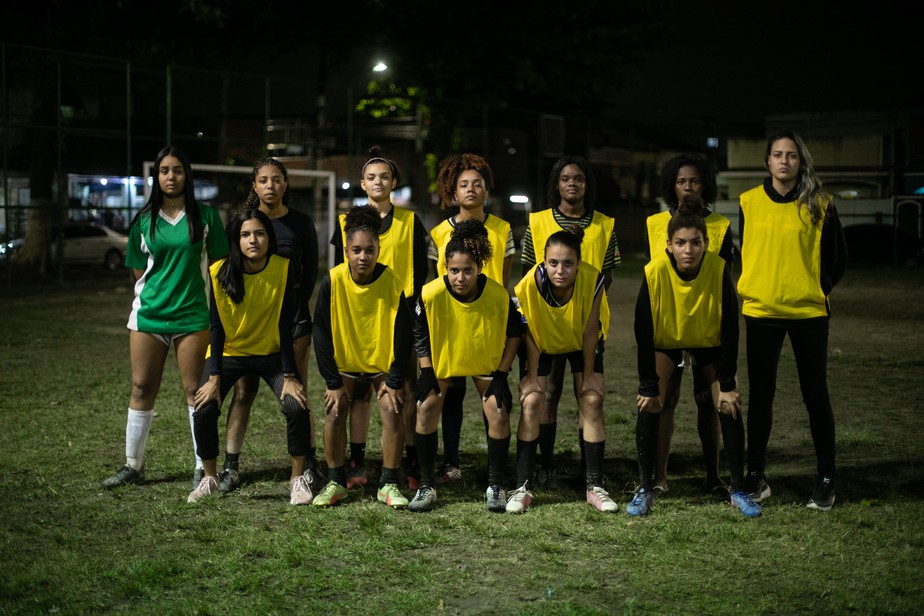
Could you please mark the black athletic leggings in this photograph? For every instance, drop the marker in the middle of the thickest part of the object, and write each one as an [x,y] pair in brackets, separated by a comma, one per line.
[809,339]
[268,368]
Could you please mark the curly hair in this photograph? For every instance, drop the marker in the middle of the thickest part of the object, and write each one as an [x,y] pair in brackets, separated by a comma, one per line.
[362,219]
[706,175]
[811,193]
[553,196]
[252,199]
[470,237]
[570,237]
[375,156]
[450,170]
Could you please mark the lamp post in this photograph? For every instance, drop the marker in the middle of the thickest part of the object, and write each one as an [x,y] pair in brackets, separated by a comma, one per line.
[378,68]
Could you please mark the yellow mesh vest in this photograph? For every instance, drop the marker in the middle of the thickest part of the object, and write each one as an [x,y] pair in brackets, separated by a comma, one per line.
[362,320]
[780,260]
[716,228]
[686,314]
[498,231]
[596,235]
[396,246]
[252,327]
[466,339]
[560,329]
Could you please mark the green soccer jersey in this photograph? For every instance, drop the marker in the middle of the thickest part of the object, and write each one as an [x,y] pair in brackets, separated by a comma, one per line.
[171,296]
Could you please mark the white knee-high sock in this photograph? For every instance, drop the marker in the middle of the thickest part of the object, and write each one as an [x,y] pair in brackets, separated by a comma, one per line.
[137,428]
[192,431]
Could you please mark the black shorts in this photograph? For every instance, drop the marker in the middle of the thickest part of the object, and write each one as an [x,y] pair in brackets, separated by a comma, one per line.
[575,358]
[302,325]
[701,357]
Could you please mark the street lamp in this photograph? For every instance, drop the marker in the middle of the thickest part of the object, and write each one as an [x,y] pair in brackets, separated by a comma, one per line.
[378,68]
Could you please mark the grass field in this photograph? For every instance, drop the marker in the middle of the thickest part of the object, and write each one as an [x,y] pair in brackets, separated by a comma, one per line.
[68,546]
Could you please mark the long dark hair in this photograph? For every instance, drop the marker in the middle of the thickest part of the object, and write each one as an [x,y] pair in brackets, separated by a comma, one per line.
[810,192]
[553,196]
[156,201]
[231,273]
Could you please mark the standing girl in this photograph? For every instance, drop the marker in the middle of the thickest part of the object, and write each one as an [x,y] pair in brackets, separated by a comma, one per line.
[688,184]
[403,248]
[466,180]
[562,302]
[792,255]
[687,302]
[251,334]
[571,198]
[464,304]
[171,242]
[362,336]
[296,240]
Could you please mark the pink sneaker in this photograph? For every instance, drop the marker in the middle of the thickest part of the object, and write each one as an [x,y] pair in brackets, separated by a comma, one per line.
[207,487]
[519,500]
[599,499]
[356,476]
[300,492]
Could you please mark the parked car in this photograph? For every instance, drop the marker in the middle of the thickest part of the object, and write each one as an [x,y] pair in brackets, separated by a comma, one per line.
[92,243]
[9,248]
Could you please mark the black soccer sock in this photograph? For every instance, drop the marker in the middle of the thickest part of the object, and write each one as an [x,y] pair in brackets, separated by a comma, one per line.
[646,442]
[389,475]
[427,444]
[452,424]
[547,434]
[594,472]
[526,460]
[338,474]
[358,453]
[497,460]
[231,461]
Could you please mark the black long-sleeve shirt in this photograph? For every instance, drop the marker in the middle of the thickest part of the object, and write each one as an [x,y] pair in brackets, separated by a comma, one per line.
[324,340]
[644,336]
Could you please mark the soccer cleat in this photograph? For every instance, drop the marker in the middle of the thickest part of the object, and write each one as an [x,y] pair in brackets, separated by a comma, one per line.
[228,480]
[124,476]
[599,499]
[424,499]
[198,474]
[300,491]
[356,476]
[520,500]
[495,499]
[391,496]
[640,503]
[823,498]
[546,479]
[207,487]
[412,476]
[744,503]
[329,496]
[447,473]
[756,486]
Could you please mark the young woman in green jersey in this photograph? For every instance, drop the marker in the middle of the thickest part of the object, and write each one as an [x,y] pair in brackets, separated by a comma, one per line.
[563,301]
[403,248]
[296,240]
[252,311]
[466,180]
[687,302]
[464,304]
[793,252]
[362,336]
[171,241]
[571,195]
[688,184]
